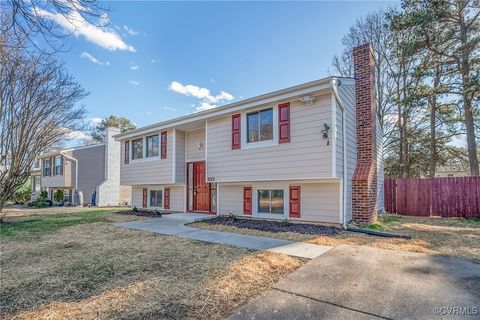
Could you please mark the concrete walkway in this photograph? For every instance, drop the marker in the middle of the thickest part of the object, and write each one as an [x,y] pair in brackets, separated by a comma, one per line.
[174,225]
[350,282]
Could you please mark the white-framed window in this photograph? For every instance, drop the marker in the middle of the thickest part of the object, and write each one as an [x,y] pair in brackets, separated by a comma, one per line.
[36,184]
[58,166]
[271,201]
[155,198]
[137,149]
[260,125]
[153,145]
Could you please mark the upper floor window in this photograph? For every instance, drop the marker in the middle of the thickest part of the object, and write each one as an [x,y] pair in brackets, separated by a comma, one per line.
[137,149]
[47,167]
[260,125]
[152,146]
[36,164]
[58,166]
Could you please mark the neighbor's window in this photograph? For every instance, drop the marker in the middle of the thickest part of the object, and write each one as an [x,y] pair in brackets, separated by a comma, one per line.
[137,149]
[156,198]
[47,167]
[270,201]
[152,146]
[36,184]
[260,125]
[58,166]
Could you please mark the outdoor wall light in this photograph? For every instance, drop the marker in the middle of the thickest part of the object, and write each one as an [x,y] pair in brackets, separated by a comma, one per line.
[199,146]
[325,133]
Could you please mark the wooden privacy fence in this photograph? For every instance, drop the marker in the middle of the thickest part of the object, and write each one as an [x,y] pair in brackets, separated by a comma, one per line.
[445,197]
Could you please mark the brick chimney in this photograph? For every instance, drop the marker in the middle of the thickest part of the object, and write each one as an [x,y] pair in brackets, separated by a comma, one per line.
[364,190]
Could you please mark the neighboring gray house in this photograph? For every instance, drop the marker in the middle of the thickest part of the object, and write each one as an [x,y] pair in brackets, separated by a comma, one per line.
[307,152]
[88,169]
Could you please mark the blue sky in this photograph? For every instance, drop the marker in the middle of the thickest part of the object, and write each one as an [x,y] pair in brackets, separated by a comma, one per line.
[158,60]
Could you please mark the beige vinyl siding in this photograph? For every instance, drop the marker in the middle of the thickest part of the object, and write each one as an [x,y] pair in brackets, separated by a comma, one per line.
[231,199]
[125,194]
[180,157]
[347,94]
[318,201]
[91,170]
[148,170]
[339,142]
[306,156]
[176,196]
[194,137]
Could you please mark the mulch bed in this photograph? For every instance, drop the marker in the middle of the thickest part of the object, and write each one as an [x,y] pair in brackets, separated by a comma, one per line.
[274,226]
[144,213]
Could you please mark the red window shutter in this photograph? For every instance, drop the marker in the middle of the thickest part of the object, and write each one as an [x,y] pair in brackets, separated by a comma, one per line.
[126,155]
[284,122]
[294,202]
[166,198]
[163,143]
[247,200]
[145,192]
[236,131]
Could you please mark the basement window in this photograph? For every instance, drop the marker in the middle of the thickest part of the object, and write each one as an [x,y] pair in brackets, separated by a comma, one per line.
[156,198]
[270,201]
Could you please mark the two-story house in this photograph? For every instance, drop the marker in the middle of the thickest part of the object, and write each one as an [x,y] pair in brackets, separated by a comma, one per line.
[85,170]
[307,152]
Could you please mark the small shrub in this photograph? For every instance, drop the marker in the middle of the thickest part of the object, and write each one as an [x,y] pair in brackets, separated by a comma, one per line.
[232,216]
[135,209]
[23,194]
[158,213]
[58,195]
[42,201]
[285,222]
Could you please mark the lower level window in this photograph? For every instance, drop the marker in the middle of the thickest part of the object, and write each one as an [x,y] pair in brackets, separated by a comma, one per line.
[156,198]
[270,201]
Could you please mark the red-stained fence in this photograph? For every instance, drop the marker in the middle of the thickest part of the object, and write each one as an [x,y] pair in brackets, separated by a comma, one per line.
[445,197]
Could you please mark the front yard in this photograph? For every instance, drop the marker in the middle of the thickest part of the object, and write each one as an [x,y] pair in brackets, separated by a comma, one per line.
[431,235]
[79,265]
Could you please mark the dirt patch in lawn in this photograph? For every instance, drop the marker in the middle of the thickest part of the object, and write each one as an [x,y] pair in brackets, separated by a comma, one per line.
[431,235]
[97,270]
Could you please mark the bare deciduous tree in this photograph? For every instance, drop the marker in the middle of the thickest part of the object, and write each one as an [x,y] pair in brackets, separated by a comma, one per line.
[38,23]
[37,109]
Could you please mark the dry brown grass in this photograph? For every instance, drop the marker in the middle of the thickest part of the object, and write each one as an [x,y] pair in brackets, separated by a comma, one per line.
[430,235]
[98,271]
[23,211]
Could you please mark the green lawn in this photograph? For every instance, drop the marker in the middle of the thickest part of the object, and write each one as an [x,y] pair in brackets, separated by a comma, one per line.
[34,224]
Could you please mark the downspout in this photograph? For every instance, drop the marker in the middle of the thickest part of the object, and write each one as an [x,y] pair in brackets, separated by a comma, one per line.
[344,153]
[76,172]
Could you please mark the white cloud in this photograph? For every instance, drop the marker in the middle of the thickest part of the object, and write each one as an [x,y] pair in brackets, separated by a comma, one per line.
[92,59]
[95,120]
[168,108]
[155,60]
[130,31]
[208,101]
[74,22]
[78,138]
[133,67]
[135,83]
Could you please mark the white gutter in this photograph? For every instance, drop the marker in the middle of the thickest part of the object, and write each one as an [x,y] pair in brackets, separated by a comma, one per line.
[76,171]
[344,153]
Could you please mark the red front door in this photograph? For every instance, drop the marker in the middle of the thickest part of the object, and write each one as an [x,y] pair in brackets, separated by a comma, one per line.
[198,190]
[201,188]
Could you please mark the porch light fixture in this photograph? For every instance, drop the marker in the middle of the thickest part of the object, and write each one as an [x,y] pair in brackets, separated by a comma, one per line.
[199,146]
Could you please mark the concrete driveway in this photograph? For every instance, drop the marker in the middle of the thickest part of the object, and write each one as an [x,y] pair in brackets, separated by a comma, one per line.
[351,282]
